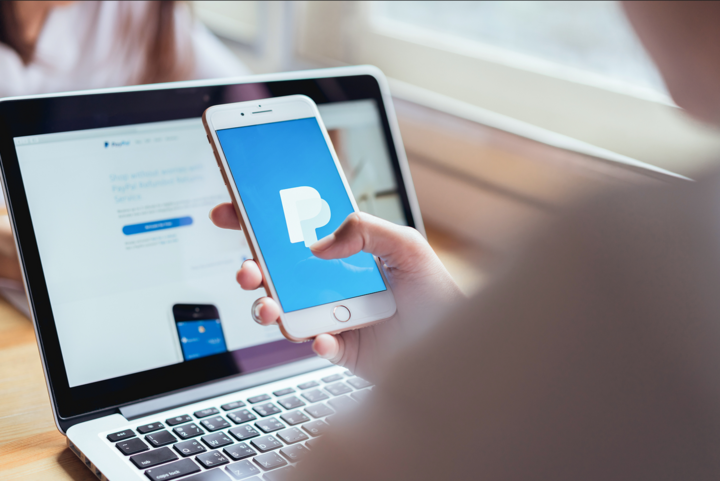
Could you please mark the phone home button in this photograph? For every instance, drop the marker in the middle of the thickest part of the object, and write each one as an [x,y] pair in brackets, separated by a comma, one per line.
[341,313]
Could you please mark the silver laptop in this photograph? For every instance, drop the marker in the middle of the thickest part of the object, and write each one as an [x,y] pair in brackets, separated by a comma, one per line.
[154,366]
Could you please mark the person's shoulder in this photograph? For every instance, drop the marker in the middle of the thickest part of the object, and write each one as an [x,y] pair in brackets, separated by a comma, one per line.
[652,207]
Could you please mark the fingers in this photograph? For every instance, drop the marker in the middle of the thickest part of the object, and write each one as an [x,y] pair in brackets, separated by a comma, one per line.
[265,311]
[224,216]
[329,347]
[249,276]
[396,245]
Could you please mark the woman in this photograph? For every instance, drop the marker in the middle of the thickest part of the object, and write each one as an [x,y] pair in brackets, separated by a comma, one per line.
[594,356]
[60,46]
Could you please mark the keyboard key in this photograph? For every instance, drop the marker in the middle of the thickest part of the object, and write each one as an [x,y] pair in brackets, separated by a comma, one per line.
[212,459]
[132,446]
[360,396]
[241,433]
[331,419]
[348,373]
[358,383]
[269,461]
[269,425]
[239,451]
[258,398]
[213,475]
[160,439]
[241,416]
[215,423]
[333,378]
[153,458]
[342,403]
[188,431]
[284,392]
[295,417]
[315,395]
[266,443]
[189,448]
[282,474]
[295,452]
[216,440]
[120,435]
[311,443]
[308,385]
[267,409]
[148,428]
[292,436]
[242,470]
[232,405]
[203,413]
[172,470]
[291,402]
[338,388]
[178,420]
[315,428]
[319,410]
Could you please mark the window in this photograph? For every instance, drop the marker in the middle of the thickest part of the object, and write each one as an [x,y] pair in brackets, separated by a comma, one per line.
[574,68]
[571,38]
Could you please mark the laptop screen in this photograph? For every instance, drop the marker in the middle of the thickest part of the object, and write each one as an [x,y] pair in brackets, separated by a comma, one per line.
[138,277]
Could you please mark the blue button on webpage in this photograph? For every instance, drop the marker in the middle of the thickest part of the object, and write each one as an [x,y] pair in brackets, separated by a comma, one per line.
[156,225]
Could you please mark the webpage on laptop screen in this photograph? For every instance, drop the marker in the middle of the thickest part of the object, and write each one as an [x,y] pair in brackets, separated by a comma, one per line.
[121,220]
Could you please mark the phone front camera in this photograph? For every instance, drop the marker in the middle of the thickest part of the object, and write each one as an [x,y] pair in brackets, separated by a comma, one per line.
[242,114]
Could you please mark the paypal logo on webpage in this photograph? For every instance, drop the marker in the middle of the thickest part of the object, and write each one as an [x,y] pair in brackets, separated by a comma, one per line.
[304,211]
[122,143]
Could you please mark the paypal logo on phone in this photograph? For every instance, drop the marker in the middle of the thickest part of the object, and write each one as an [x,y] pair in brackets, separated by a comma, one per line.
[304,211]
[292,159]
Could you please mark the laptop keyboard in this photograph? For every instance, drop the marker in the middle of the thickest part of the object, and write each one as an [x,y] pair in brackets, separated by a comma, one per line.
[258,438]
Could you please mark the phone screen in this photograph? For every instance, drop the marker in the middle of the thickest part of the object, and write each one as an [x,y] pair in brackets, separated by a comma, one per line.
[201,338]
[293,195]
[200,331]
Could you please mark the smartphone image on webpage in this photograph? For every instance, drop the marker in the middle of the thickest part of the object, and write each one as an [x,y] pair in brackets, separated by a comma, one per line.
[199,330]
[289,190]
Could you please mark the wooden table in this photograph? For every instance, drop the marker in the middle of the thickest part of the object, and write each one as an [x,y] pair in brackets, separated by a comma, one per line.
[31,447]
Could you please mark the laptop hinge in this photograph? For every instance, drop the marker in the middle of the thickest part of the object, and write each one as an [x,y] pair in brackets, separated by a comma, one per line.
[211,390]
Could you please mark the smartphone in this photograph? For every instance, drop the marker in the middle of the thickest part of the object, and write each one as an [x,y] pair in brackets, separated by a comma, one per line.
[199,330]
[288,189]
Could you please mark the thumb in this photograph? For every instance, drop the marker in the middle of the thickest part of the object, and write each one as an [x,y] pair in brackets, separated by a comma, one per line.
[396,245]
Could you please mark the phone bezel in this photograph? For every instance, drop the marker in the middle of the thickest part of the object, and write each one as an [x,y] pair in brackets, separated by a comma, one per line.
[304,324]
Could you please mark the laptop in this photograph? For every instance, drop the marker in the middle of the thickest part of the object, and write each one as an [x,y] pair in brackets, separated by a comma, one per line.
[153,363]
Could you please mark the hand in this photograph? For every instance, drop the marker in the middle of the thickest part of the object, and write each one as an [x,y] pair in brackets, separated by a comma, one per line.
[420,283]
[9,264]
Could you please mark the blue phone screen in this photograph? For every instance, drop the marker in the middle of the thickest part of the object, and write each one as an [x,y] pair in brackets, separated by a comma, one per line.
[293,196]
[201,338]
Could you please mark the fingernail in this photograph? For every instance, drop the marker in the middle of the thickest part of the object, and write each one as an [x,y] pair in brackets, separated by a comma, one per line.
[323,243]
[256,312]
[322,356]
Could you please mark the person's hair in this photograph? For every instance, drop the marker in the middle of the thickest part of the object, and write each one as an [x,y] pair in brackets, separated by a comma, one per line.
[11,33]
[155,36]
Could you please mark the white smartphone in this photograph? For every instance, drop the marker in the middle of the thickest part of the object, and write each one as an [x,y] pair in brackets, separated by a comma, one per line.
[289,190]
